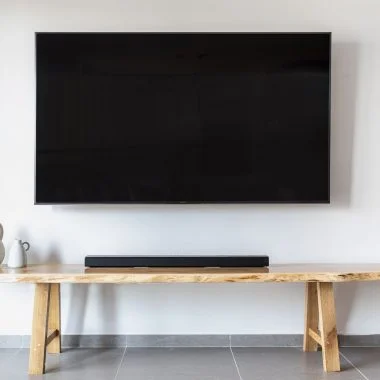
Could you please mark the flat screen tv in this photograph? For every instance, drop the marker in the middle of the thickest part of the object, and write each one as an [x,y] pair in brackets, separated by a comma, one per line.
[182,118]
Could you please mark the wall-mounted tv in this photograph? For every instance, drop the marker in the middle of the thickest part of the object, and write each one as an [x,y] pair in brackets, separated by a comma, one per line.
[182,118]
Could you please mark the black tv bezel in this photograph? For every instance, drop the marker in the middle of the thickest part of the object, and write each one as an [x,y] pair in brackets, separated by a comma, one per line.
[328,199]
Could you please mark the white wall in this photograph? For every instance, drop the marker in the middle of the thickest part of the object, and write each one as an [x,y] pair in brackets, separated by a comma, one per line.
[345,231]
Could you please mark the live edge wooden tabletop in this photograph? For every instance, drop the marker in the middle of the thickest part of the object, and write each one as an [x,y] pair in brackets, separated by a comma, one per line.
[63,273]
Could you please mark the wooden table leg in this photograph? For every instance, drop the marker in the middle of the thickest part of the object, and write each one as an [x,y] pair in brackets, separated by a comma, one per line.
[311,316]
[327,326]
[320,307]
[54,320]
[37,353]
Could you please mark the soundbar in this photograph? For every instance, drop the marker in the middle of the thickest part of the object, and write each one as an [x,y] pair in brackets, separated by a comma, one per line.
[175,261]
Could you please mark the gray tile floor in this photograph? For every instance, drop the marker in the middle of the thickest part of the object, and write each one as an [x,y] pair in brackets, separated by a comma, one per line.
[192,364]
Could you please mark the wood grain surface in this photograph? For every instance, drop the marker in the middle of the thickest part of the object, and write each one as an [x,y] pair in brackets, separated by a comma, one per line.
[37,352]
[327,326]
[310,343]
[63,273]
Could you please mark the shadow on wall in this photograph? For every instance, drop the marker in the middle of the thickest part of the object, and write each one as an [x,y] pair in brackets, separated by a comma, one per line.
[78,294]
[78,297]
[344,76]
[107,311]
[344,303]
[344,79]
[52,255]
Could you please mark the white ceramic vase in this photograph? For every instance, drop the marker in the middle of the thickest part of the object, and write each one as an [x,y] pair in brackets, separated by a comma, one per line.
[17,254]
[2,249]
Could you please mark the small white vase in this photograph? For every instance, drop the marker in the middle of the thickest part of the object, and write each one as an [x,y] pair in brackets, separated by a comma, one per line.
[2,249]
[17,254]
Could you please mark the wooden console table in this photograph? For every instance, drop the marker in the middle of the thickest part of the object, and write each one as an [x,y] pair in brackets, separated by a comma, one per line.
[320,321]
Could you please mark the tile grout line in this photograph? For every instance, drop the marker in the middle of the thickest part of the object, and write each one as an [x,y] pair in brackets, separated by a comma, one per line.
[121,361]
[357,369]
[234,359]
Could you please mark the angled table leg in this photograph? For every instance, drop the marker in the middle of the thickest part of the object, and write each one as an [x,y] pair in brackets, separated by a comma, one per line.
[327,325]
[311,317]
[54,320]
[37,353]
[320,310]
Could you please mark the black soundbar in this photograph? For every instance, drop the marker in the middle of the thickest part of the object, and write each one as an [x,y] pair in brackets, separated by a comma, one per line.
[175,261]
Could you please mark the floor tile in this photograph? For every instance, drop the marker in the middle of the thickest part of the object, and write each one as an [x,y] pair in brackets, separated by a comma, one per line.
[287,364]
[74,364]
[5,355]
[366,359]
[178,364]
[190,364]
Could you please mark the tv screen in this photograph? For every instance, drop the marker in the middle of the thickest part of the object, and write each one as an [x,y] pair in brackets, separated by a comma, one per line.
[182,118]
